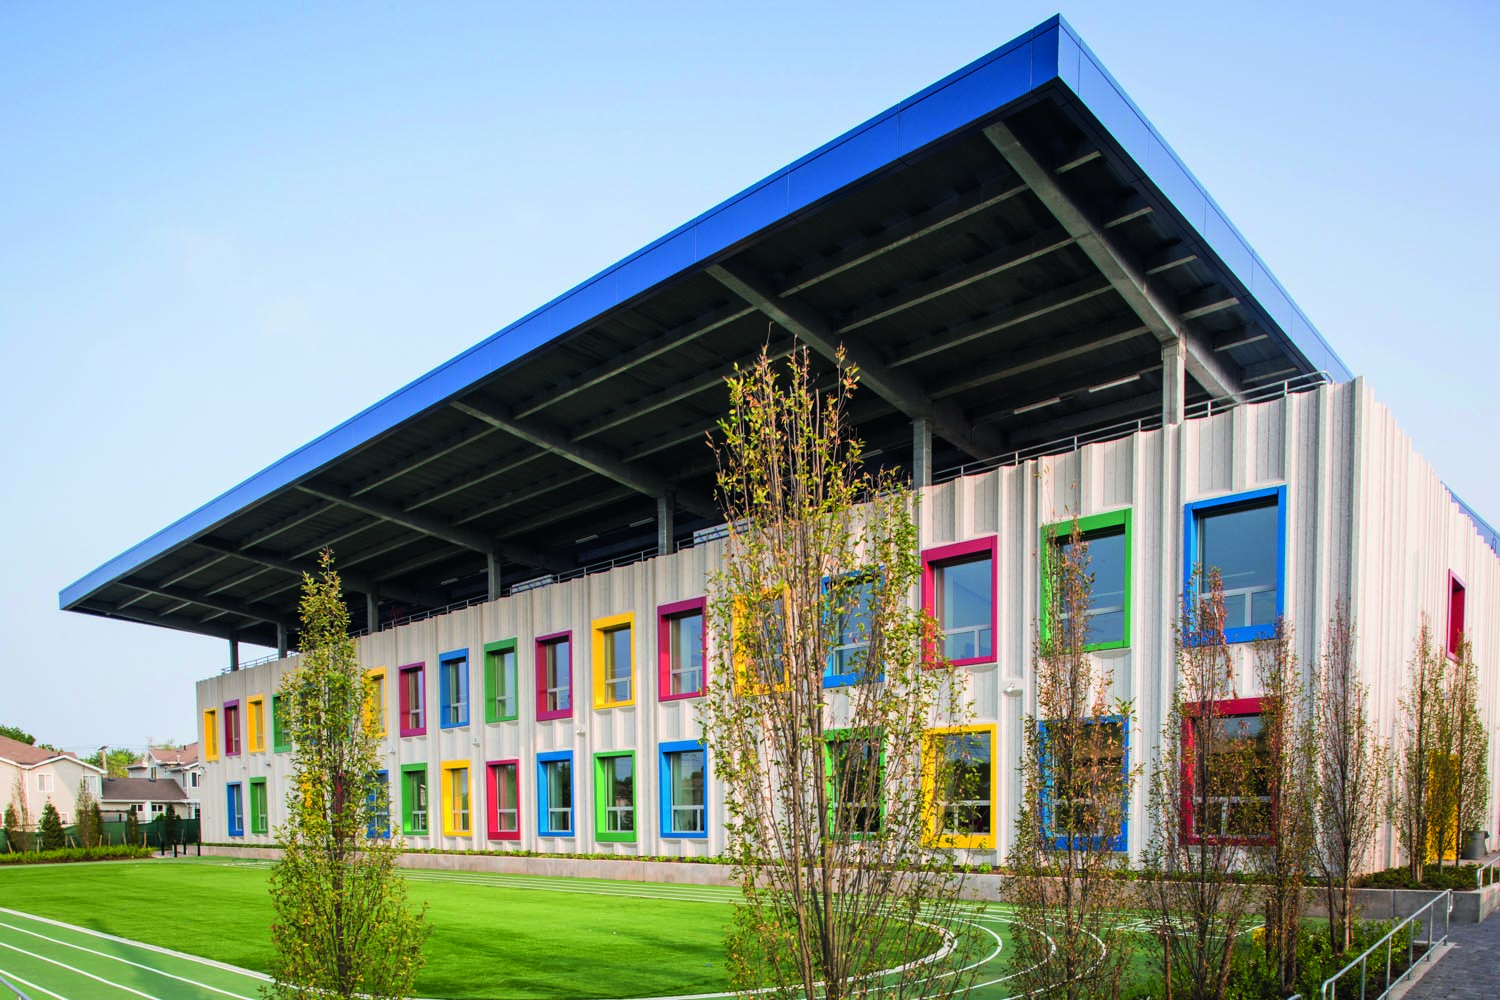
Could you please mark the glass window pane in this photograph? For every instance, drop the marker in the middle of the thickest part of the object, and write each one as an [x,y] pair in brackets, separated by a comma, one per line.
[1242,544]
[1107,598]
[686,774]
[965,603]
[617,664]
[686,652]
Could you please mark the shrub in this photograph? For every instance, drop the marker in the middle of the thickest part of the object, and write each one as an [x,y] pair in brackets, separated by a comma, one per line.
[116,853]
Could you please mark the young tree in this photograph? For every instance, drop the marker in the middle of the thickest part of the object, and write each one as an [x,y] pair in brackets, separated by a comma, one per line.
[51,828]
[1208,800]
[822,702]
[1290,740]
[12,828]
[90,825]
[1417,737]
[1066,860]
[1350,771]
[114,762]
[1473,751]
[133,829]
[17,733]
[169,824]
[342,927]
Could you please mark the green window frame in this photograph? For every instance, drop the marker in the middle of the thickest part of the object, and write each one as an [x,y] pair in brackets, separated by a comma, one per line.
[260,820]
[1095,528]
[281,742]
[416,803]
[854,767]
[615,813]
[502,696]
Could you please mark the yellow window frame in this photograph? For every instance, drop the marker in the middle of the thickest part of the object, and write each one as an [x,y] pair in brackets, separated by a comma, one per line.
[933,741]
[602,628]
[377,703]
[746,676]
[210,734]
[255,724]
[451,827]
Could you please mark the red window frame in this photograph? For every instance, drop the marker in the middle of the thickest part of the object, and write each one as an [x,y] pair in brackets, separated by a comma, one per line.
[664,615]
[1457,596]
[492,798]
[543,713]
[1228,708]
[404,701]
[959,552]
[232,728]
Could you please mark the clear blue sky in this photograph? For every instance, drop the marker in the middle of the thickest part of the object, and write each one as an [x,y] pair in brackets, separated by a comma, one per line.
[224,229]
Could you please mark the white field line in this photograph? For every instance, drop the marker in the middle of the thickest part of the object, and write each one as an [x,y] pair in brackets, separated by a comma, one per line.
[125,961]
[158,949]
[70,968]
[33,987]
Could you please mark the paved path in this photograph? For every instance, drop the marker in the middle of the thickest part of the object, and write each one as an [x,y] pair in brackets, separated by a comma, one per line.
[1468,970]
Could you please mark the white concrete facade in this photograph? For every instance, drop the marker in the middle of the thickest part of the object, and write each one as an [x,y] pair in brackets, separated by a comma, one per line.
[1366,519]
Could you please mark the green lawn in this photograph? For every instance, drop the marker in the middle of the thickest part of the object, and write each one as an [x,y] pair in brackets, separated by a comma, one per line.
[493,936]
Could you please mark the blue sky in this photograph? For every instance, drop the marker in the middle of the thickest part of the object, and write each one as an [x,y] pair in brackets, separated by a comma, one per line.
[225,229]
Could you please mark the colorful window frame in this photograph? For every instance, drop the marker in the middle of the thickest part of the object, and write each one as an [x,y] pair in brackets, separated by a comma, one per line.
[260,820]
[554,676]
[614,637]
[210,734]
[555,812]
[503,793]
[681,661]
[615,807]
[376,702]
[684,810]
[457,799]
[412,699]
[1224,711]
[281,740]
[255,724]
[970,822]
[232,728]
[379,802]
[416,804]
[453,689]
[1121,839]
[984,633]
[1110,524]
[1194,516]
[855,817]
[843,635]
[234,797]
[769,614]
[1456,599]
[502,693]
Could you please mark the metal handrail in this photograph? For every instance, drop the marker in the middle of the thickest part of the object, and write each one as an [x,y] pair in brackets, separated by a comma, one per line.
[1362,961]
[20,995]
[1488,866]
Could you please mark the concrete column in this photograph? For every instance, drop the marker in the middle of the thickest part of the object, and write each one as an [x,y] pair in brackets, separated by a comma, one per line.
[234,654]
[1173,382]
[372,611]
[280,641]
[665,506]
[492,566]
[921,452]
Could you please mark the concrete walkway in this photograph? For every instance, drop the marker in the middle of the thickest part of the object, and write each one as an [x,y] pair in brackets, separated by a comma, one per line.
[1467,969]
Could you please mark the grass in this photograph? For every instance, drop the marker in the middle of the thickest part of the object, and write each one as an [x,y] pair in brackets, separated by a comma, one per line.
[550,938]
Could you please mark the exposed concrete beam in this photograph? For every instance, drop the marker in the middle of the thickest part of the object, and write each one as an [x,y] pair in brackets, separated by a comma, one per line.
[1064,388]
[1250,333]
[333,538]
[921,452]
[669,439]
[1173,383]
[197,567]
[1048,352]
[1212,299]
[425,559]
[595,458]
[913,228]
[664,526]
[1267,371]
[1160,315]
[564,511]
[417,459]
[1126,210]
[901,390]
[424,523]
[1175,254]
[243,576]
[1142,406]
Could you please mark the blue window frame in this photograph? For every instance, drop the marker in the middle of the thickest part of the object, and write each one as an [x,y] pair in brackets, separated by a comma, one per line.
[684,790]
[235,794]
[1077,804]
[849,604]
[1243,536]
[554,794]
[380,807]
[453,684]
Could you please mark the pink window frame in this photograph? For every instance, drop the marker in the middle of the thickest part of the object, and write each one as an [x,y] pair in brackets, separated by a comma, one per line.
[664,614]
[492,797]
[1227,709]
[1456,622]
[403,703]
[231,728]
[542,712]
[955,552]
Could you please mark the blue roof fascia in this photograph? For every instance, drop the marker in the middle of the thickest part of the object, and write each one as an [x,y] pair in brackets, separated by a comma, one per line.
[1043,55]
[1106,100]
[1487,533]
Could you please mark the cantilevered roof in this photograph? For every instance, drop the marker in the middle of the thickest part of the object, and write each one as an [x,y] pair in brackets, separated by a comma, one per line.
[1005,254]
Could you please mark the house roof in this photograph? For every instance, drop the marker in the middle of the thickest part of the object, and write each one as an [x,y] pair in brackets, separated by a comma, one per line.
[174,756]
[141,790]
[1004,255]
[26,755]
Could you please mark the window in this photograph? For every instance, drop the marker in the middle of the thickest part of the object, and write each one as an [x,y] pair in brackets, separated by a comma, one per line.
[554,676]
[856,776]
[959,781]
[501,696]
[1227,791]
[453,688]
[210,734]
[505,799]
[554,798]
[1084,774]
[680,649]
[43,781]
[232,728]
[1455,616]
[958,589]
[193,779]
[759,643]
[380,807]
[375,720]
[849,603]
[455,798]
[684,780]
[414,799]
[413,703]
[1109,550]
[260,821]
[236,810]
[281,740]
[255,724]
[1244,538]
[614,796]
[614,673]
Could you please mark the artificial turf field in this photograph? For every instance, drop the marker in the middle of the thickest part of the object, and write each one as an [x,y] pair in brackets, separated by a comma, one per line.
[186,929]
